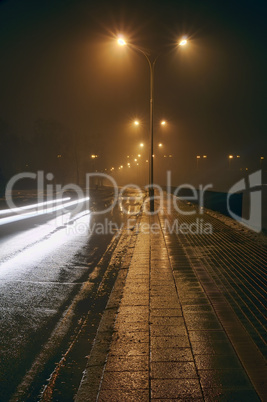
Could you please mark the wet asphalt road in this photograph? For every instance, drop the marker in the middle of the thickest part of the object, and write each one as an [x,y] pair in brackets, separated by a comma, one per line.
[43,264]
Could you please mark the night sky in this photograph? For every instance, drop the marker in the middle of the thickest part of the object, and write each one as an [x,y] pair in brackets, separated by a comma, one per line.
[60,62]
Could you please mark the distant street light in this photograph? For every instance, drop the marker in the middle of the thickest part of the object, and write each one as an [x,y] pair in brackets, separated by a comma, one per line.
[141,145]
[198,157]
[121,41]
[163,123]
[93,157]
[230,157]
[183,42]
[136,123]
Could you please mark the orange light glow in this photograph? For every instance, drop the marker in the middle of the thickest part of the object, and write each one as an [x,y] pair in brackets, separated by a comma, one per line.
[121,41]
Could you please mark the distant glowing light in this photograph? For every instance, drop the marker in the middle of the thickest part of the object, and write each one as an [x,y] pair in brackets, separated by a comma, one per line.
[204,156]
[121,41]
[160,144]
[94,156]
[139,156]
[262,157]
[183,42]
[163,123]
[136,123]
[230,156]
[198,156]
[135,160]
[141,145]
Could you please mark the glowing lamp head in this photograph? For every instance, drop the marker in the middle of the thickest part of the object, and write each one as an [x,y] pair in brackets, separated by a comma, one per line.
[183,42]
[136,123]
[163,123]
[121,41]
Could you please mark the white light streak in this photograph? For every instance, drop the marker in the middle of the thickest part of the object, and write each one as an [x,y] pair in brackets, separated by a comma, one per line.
[15,218]
[8,211]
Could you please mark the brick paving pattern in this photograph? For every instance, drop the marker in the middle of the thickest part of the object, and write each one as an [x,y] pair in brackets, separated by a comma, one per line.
[180,329]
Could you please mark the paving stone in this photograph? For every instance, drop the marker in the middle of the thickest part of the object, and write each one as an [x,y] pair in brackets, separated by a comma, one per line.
[183,389]
[127,337]
[166,312]
[169,342]
[129,363]
[115,395]
[171,354]
[166,321]
[173,370]
[155,303]
[129,348]
[128,327]
[168,330]
[126,380]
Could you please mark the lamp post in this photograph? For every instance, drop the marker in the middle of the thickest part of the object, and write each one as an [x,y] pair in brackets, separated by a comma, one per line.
[151,64]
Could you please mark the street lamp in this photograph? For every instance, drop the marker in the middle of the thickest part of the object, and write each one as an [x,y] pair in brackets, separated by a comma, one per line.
[230,157]
[121,41]
[183,42]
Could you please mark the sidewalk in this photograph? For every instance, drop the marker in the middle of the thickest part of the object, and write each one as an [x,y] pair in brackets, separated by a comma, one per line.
[169,332]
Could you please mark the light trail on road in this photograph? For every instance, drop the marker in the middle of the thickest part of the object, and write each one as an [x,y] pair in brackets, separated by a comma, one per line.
[31,206]
[27,215]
